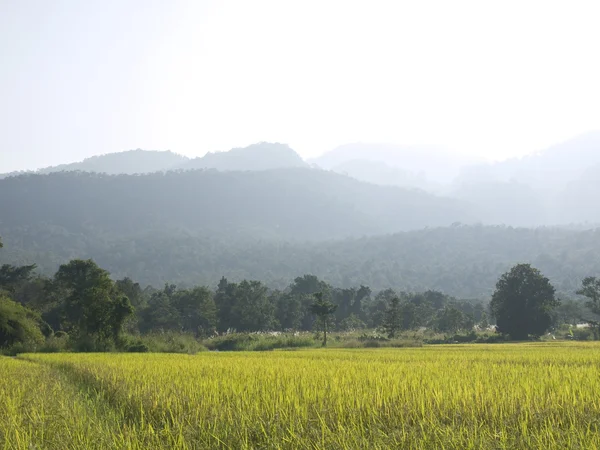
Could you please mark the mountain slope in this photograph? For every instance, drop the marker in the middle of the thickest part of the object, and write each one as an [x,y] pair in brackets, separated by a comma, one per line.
[554,186]
[290,203]
[546,169]
[261,156]
[462,261]
[426,162]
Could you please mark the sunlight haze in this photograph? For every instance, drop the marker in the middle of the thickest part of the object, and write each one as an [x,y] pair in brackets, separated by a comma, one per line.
[486,79]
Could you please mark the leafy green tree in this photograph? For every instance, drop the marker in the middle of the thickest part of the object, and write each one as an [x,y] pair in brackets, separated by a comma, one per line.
[351,323]
[571,312]
[252,310]
[93,308]
[308,284]
[323,309]
[375,308]
[197,310]
[18,324]
[132,291]
[288,311]
[449,320]
[410,316]
[11,277]
[161,314]
[591,290]
[344,299]
[224,300]
[362,296]
[392,320]
[523,302]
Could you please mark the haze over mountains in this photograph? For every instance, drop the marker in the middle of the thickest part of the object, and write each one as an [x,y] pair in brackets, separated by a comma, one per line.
[262,211]
[548,187]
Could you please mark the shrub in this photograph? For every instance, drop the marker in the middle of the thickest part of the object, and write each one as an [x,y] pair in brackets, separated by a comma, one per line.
[59,342]
[258,342]
[165,342]
[19,326]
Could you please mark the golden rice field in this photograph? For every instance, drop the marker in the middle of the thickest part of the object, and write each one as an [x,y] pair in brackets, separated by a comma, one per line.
[525,396]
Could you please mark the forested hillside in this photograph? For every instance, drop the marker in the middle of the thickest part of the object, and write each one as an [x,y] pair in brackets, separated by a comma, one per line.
[299,204]
[461,261]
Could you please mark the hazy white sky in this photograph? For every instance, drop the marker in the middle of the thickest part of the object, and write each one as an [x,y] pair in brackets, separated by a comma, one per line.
[488,78]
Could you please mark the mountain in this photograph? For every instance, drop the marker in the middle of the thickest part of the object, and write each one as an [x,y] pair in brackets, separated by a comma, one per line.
[293,203]
[378,172]
[553,186]
[128,162]
[579,199]
[261,156]
[428,163]
[547,169]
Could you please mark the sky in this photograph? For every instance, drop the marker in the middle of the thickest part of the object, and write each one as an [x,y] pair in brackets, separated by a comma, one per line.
[492,79]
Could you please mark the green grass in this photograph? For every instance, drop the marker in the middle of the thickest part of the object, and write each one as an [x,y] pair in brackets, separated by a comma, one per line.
[504,396]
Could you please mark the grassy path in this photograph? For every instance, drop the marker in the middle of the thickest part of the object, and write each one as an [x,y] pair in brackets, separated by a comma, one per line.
[43,406]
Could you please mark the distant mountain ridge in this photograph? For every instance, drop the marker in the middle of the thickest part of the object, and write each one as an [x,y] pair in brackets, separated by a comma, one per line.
[260,156]
[560,164]
[430,163]
[293,203]
[555,186]
[128,162]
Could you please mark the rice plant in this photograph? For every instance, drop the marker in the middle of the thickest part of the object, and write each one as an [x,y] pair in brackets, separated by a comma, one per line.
[541,396]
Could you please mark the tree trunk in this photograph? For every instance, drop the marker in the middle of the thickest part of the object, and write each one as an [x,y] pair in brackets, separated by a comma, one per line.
[325,333]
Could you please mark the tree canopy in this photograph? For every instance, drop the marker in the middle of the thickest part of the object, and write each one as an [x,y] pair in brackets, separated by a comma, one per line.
[523,302]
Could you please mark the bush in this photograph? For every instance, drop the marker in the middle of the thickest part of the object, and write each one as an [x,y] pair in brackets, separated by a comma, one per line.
[461,339]
[91,344]
[19,326]
[164,342]
[402,343]
[258,342]
[19,347]
[138,347]
[583,334]
[57,343]
[371,343]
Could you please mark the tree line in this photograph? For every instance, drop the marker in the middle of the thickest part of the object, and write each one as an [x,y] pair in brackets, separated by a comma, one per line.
[461,261]
[82,301]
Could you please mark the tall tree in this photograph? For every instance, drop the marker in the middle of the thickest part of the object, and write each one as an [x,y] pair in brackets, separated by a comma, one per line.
[523,302]
[161,313]
[131,290]
[224,300]
[392,319]
[93,308]
[252,310]
[197,310]
[591,289]
[450,320]
[288,310]
[11,277]
[323,309]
